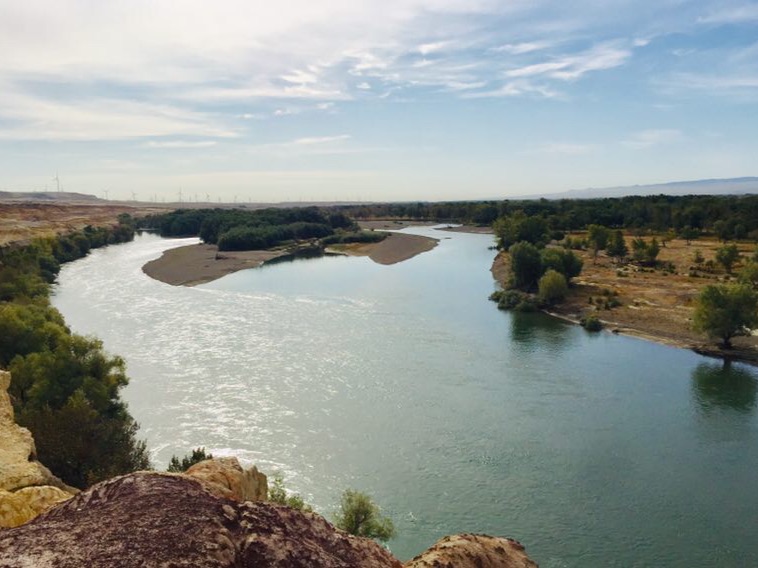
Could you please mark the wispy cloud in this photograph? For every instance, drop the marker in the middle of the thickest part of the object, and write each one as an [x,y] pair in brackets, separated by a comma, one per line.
[565,149]
[517,88]
[572,67]
[645,139]
[171,144]
[736,14]
[321,139]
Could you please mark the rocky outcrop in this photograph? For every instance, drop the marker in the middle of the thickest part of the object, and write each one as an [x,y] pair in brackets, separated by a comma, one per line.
[151,519]
[26,486]
[224,477]
[473,551]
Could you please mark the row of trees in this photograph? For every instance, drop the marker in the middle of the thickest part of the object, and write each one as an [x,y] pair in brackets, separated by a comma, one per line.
[64,387]
[238,229]
[728,217]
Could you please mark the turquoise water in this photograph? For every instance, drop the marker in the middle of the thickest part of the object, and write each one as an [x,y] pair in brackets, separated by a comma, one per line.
[405,382]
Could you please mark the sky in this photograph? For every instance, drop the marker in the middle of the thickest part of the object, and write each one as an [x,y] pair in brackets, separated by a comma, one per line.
[373,100]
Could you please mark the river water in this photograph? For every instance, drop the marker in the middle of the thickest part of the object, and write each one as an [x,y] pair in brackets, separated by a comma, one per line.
[403,381]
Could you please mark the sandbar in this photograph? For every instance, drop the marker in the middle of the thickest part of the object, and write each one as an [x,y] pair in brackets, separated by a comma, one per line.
[397,247]
[197,264]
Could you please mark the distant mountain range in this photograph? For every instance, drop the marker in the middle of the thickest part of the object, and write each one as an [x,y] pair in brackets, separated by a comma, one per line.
[730,186]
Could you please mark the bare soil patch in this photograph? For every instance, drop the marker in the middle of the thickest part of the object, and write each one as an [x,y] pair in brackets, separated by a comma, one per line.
[23,221]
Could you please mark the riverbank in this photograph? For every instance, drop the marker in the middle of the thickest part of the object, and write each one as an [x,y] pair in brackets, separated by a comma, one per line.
[655,305]
[197,264]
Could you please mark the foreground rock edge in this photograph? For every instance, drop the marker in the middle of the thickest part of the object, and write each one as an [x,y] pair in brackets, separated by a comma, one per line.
[26,486]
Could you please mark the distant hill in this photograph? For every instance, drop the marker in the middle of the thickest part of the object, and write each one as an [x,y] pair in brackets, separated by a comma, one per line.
[48,196]
[731,186]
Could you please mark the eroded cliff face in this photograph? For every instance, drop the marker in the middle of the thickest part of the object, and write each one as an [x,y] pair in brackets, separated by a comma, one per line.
[26,486]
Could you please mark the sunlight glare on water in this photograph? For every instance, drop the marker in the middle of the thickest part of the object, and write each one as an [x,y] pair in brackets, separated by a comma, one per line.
[405,382]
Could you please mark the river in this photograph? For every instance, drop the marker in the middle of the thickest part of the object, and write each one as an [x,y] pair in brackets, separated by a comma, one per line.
[405,382]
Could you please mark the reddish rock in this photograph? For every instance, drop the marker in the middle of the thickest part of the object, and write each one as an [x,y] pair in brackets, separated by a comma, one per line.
[152,519]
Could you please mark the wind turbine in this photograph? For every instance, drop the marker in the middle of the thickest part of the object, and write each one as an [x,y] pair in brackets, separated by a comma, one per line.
[57,180]
[134,196]
[207,197]
[105,192]
[180,195]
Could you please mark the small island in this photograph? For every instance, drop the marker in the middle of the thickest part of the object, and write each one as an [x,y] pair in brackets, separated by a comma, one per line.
[237,240]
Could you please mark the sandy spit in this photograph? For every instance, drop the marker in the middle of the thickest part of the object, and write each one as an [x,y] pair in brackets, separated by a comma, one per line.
[197,264]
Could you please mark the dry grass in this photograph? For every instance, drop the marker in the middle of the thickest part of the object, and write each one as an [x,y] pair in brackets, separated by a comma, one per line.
[654,303]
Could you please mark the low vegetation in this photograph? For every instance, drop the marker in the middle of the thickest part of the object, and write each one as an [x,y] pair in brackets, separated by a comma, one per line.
[65,387]
[176,465]
[360,516]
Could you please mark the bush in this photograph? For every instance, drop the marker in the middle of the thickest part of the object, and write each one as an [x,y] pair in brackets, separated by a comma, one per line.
[512,300]
[552,287]
[360,516]
[591,323]
[278,494]
[198,454]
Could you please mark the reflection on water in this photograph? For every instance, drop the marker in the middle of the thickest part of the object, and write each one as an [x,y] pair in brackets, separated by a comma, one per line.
[537,330]
[724,386]
[406,382]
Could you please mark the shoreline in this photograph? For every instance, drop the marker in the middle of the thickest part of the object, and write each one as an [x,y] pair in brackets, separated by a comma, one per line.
[191,265]
[614,321]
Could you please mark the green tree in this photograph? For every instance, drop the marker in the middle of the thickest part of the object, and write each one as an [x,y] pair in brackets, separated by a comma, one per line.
[175,465]
[552,287]
[727,256]
[563,261]
[724,312]
[617,247]
[526,265]
[652,252]
[688,234]
[520,227]
[597,235]
[360,516]
[749,274]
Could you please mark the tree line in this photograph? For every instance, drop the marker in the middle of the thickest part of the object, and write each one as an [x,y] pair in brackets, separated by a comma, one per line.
[728,216]
[237,229]
[64,386]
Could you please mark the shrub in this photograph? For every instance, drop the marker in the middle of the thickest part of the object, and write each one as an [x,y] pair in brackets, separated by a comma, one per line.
[360,516]
[552,287]
[591,323]
[198,454]
[278,494]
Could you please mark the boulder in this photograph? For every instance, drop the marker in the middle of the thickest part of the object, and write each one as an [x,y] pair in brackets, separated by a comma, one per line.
[224,477]
[23,505]
[19,469]
[148,519]
[473,551]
